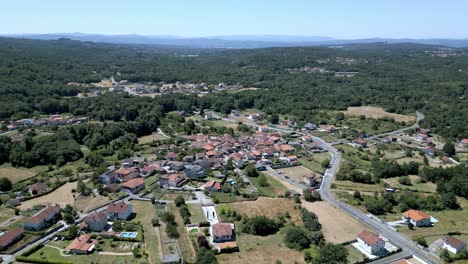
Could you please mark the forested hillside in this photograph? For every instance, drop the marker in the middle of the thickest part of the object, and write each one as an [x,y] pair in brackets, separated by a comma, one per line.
[401,78]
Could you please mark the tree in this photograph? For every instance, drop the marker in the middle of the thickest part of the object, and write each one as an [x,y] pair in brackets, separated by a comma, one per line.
[311,196]
[357,195]
[410,226]
[69,213]
[296,238]
[325,163]
[5,184]
[405,180]
[263,181]
[179,200]
[274,118]
[425,160]
[421,241]
[171,230]
[445,256]
[449,200]
[260,226]
[94,159]
[168,217]
[206,256]
[449,148]
[251,171]
[72,231]
[331,254]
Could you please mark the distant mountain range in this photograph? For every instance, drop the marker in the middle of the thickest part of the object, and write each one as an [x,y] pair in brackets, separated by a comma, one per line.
[235,41]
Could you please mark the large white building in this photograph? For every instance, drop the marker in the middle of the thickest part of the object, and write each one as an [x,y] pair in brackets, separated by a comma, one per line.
[370,242]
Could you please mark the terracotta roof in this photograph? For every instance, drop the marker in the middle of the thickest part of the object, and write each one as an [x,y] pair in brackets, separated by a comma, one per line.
[176,177]
[230,244]
[118,207]
[450,240]
[133,183]
[96,217]
[222,229]
[213,184]
[123,171]
[40,216]
[38,188]
[465,140]
[401,261]
[80,243]
[9,236]
[369,237]
[416,215]
[286,148]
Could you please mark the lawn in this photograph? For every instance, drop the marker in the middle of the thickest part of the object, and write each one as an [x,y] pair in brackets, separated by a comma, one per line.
[311,164]
[273,189]
[269,207]
[261,250]
[145,212]
[48,252]
[226,197]
[16,174]
[150,138]
[197,213]
[354,255]
[186,247]
[163,194]
[62,195]
[296,173]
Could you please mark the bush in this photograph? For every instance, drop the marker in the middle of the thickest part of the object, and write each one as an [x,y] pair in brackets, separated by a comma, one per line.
[296,238]
[260,226]
[179,200]
[171,230]
[311,196]
[405,180]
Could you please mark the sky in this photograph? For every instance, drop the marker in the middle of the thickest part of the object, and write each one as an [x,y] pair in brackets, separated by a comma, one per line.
[346,19]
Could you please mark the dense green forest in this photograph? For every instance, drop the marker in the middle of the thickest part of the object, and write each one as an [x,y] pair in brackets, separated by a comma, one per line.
[401,78]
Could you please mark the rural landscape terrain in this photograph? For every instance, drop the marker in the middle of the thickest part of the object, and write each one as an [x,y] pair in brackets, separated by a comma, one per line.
[132,153]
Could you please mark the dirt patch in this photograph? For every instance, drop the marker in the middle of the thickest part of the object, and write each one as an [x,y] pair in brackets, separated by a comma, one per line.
[377,112]
[296,173]
[63,196]
[269,207]
[16,175]
[337,226]
[105,83]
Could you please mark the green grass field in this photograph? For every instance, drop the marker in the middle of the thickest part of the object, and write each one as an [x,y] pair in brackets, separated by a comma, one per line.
[197,213]
[274,188]
[150,138]
[145,212]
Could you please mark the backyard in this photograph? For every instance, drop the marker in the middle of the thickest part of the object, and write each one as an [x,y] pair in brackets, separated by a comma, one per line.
[145,212]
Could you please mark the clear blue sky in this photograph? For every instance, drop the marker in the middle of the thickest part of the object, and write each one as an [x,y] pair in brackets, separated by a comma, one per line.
[340,19]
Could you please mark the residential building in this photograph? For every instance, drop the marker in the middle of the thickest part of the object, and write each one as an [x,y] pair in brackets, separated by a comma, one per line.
[223,232]
[417,218]
[194,172]
[208,116]
[96,222]
[260,166]
[172,156]
[134,185]
[263,128]
[81,245]
[360,143]
[464,143]
[8,238]
[119,210]
[453,245]
[43,218]
[311,180]
[212,186]
[37,188]
[310,126]
[177,165]
[172,180]
[370,242]
[421,137]
[112,188]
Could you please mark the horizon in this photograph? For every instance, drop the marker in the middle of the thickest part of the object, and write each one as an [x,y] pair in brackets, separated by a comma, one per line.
[209,18]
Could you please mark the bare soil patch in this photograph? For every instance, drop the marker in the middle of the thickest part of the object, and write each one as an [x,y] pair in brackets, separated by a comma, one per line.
[337,226]
[377,112]
[296,173]
[63,196]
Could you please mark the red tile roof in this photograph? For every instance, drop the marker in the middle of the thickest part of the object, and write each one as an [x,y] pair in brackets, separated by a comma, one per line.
[450,240]
[222,229]
[8,237]
[133,183]
[40,216]
[369,237]
[118,207]
[415,215]
[80,243]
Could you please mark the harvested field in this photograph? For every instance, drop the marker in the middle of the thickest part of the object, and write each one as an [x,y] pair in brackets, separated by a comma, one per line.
[296,173]
[269,207]
[337,226]
[63,196]
[16,175]
[88,203]
[377,112]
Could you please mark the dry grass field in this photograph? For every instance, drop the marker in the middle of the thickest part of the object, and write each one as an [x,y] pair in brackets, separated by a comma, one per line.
[88,203]
[16,175]
[63,196]
[416,185]
[105,83]
[145,212]
[337,226]
[296,173]
[377,112]
[151,138]
[269,207]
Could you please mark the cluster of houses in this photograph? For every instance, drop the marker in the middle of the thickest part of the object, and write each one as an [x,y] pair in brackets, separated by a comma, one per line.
[53,120]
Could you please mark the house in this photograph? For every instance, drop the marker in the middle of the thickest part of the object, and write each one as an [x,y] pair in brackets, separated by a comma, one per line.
[223,232]
[417,218]
[256,116]
[453,245]
[208,116]
[306,138]
[464,143]
[310,126]
[360,143]
[106,178]
[8,238]
[177,165]
[81,245]
[194,172]
[212,186]
[173,180]
[37,188]
[421,137]
[237,160]
[345,74]
[112,188]
[370,242]
[263,128]
[119,210]
[43,218]
[292,160]
[14,202]
[148,170]
[260,166]
[286,148]
[311,180]
[172,156]
[96,222]
[429,151]
[134,185]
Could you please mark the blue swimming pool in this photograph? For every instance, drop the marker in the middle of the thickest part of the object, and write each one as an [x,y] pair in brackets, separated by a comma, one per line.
[128,234]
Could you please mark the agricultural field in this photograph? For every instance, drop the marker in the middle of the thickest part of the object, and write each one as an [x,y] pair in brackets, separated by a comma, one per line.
[16,174]
[337,226]
[261,250]
[266,206]
[296,173]
[377,112]
[150,138]
[62,195]
[145,212]
[273,189]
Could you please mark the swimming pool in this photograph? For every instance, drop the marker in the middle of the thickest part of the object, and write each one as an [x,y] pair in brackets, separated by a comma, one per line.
[128,234]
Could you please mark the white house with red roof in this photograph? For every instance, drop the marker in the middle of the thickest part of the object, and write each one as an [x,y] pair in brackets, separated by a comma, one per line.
[370,242]
[417,218]
[213,186]
[453,245]
[134,185]
[119,210]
